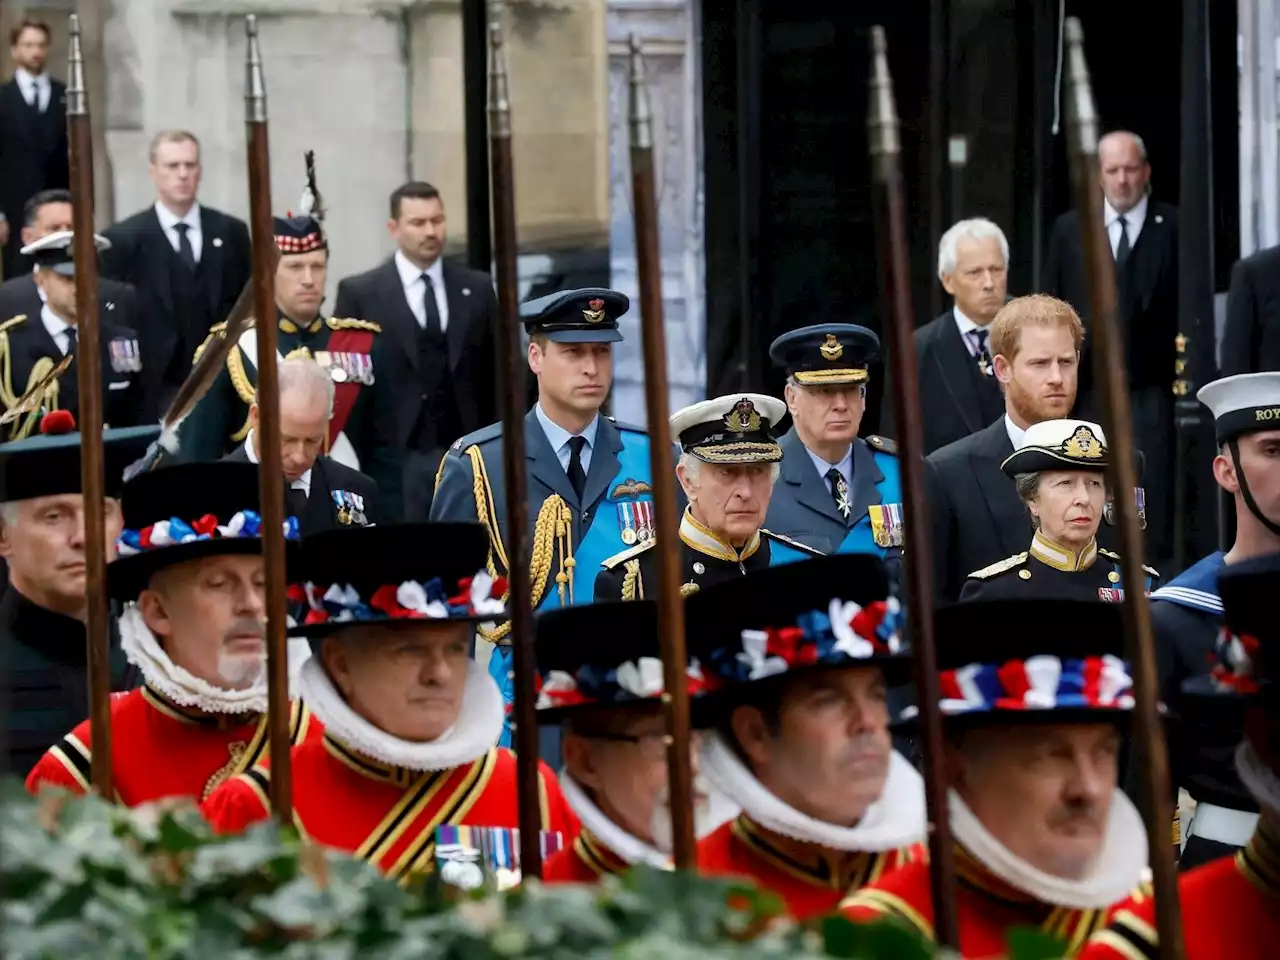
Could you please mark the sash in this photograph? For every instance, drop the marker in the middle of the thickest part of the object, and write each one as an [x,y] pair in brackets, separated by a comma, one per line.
[1196,587]
[403,843]
[346,393]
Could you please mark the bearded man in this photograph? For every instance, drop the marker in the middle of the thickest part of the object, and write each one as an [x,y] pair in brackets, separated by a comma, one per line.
[190,572]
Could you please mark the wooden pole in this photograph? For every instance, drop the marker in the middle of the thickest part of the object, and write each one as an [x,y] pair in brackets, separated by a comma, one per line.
[670,601]
[89,382]
[1109,372]
[512,366]
[270,472]
[886,149]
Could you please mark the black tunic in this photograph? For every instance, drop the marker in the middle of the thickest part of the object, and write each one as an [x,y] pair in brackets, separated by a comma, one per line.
[47,691]
[633,574]
[1027,576]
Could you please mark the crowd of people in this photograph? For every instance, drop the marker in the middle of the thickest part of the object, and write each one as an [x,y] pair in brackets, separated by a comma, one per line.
[791,552]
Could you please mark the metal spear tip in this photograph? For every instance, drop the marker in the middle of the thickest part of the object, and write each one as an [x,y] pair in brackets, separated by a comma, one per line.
[77,99]
[882,114]
[251,26]
[255,86]
[1073,31]
[640,112]
[499,98]
[879,45]
[1082,114]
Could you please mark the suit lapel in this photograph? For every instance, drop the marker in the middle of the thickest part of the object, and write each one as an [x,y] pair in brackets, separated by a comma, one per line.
[543,462]
[403,324]
[1142,256]
[158,253]
[213,243]
[866,477]
[459,318]
[955,363]
[1008,517]
[807,487]
[321,513]
[604,459]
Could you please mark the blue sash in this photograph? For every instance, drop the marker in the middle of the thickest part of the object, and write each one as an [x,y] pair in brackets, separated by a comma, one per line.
[1197,586]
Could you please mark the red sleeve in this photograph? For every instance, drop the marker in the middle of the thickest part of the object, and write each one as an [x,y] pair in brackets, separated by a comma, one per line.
[1130,933]
[238,803]
[66,764]
[556,813]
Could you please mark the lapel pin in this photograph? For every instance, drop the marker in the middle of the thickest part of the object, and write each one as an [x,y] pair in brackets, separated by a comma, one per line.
[1159,218]
[110,305]
[466,291]
[217,241]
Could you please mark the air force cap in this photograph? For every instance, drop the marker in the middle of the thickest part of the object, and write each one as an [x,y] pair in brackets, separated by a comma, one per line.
[589,315]
[826,354]
[56,252]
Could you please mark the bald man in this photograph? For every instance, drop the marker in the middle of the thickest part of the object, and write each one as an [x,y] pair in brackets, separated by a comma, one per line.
[1143,233]
[322,493]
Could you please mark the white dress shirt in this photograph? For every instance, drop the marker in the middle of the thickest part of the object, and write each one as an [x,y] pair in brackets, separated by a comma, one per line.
[1133,220]
[1016,433]
[415,289]
[845,466]
[169,222]
[559,439]
[967,328]
[57,327]
[303,483]
[41,83]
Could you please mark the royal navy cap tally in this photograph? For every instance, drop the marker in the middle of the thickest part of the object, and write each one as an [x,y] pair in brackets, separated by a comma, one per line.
[56,251]
[187,512]
[577,672]
[392,575]
[48,464]
[298,234]
[1059,445]
[826,354]
[1026,661]
[1245,403]
[589,315]
[731,429]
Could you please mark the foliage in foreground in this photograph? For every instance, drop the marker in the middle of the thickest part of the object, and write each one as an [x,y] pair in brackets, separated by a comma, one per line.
[85,879]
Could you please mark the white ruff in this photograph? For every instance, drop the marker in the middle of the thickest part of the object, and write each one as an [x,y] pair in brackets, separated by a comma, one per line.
[1259,779]
[1118,872]
[473,734]
[629,848]
[177,684]
[896,820]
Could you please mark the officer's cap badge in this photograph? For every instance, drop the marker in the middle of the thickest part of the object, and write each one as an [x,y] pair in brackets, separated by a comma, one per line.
[594,311]
[742,418]
[1083,445]
[831,350]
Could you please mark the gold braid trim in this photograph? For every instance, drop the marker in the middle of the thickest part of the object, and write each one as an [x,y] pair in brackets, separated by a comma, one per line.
[632,585]
[350,323]
[7,395]
[39,370]
[244,389]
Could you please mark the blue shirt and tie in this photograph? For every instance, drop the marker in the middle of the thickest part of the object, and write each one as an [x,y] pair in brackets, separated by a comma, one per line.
[561,440]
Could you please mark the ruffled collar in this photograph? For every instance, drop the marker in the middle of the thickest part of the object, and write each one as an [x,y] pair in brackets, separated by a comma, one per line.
[701,538]
[176,684]
[473,734]
[894,821]
[1121,867]
[1053,554]
[595,822]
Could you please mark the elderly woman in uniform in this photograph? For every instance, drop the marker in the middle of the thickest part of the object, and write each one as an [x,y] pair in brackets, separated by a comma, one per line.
[1060,474]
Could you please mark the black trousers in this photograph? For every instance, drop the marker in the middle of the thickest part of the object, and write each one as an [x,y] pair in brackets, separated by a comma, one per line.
[419,477]
[1200,851]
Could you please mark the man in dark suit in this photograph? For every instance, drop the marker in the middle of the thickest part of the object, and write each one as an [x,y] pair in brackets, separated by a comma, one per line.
[438,322]
[975,510]
[187,261]
[49,212]
[1144,241]
[33,135]
[959,394]
[32,346]
[1251,339]
[322,493]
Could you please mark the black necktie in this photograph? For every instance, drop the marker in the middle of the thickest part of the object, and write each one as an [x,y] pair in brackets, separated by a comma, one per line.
[984,355]
[431,309]
[35,97]
[186,253]
[577,476]
[295,502]
[71,340]
[839,492]
[1122,248]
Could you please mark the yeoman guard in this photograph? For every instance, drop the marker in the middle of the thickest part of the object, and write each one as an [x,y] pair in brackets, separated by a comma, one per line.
[190,574]
[410,720]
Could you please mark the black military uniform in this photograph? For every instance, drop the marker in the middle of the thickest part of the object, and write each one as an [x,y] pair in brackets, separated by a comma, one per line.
[42,653]
[1049,569]
[347,348]
[730,429]
[31,346]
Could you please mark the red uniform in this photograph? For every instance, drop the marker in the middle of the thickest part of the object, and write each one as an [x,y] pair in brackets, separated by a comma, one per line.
[159,749]
[987,908]
[1229,909]
[383,814]
[585,860]
[811,880]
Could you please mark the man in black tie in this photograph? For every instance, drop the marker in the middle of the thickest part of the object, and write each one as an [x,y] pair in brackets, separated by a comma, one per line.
[322,493]
[959,394]
[187,261]
[438,322]
[33,127]
[1143,233]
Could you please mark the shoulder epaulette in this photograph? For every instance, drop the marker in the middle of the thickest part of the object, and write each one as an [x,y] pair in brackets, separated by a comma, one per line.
[12,322]
[1000,566]
[484,434]
[350,323]
[628,553]
[623,425]
[883,444]
[217,330]
[1109,554]
[1151,570]
[802,547]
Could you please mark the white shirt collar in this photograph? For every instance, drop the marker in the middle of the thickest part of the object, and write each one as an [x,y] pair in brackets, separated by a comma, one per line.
[1134,219]
[558,436]
[966,325]
[26,79]
[411,273]
[845,466]
[303,483]
[54,324]
[169,219]
[1016,433]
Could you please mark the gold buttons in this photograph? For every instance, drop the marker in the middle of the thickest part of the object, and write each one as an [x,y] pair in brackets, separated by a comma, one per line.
[1113,577]
[1025,574]
[698,568]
